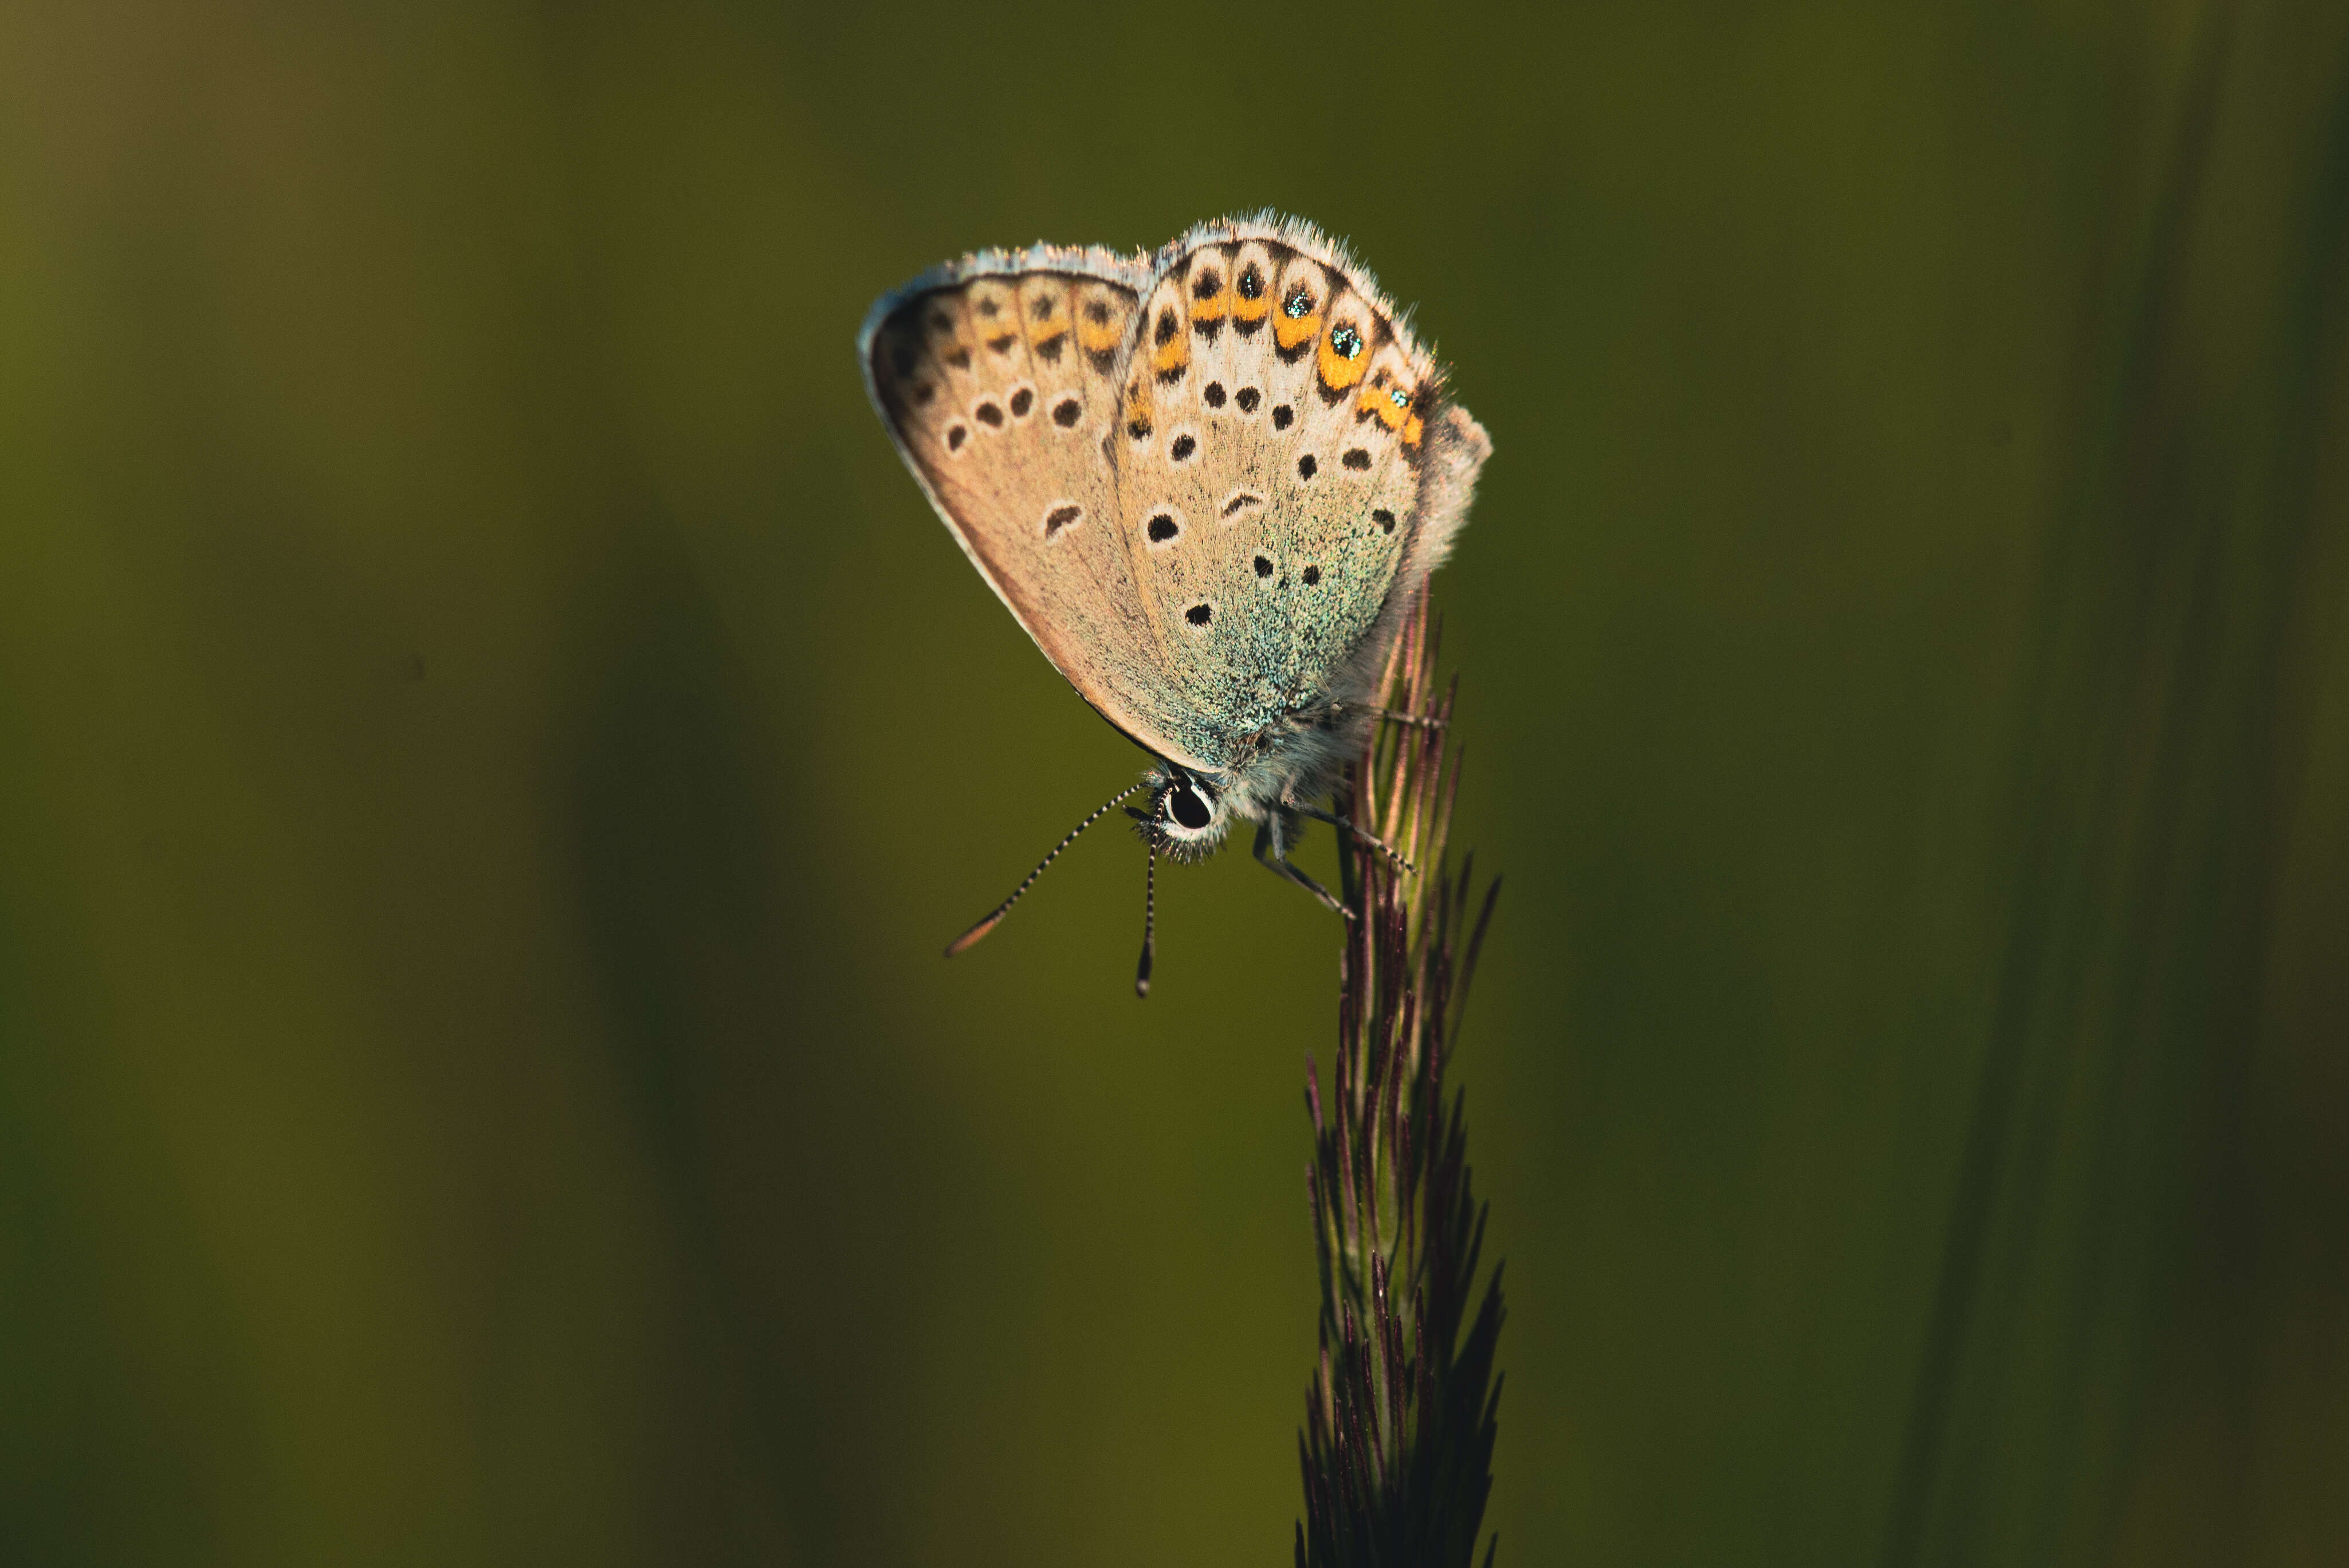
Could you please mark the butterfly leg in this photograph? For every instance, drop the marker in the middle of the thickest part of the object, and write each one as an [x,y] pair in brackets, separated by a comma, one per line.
[1273,855]
[1395,716]
[1358,835]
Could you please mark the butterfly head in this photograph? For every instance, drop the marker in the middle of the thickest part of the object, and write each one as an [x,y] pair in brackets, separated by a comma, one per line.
[1188,815]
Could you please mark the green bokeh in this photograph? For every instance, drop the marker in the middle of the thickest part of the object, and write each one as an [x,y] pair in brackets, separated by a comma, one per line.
[491,743]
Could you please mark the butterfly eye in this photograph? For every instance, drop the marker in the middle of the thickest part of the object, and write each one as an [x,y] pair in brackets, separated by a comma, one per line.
[1186,806]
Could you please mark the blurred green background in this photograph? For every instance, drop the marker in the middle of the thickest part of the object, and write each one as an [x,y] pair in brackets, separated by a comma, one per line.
[491,743]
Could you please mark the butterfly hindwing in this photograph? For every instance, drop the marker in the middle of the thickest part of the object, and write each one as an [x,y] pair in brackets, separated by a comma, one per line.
[1275,440]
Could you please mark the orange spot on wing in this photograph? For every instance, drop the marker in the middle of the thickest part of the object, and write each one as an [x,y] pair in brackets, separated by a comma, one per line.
[1379,401]
[1215,305]
[1387,393]
[1337,372]
[1044,306]
[1290,331]
[1169,338]
[1257,259]
[1106,333]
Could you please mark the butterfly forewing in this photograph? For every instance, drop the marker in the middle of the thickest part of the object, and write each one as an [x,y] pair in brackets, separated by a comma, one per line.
[999,382]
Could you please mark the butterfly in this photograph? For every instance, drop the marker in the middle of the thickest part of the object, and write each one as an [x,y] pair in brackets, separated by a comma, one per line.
[1208,482]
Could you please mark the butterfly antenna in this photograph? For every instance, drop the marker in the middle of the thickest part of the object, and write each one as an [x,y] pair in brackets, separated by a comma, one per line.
[970,938]
[1149,923]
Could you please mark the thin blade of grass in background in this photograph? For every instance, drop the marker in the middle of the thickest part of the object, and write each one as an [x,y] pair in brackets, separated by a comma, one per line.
[1400,1418]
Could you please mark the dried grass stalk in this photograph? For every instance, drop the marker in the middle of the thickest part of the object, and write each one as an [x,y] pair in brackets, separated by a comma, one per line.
[1401,1417]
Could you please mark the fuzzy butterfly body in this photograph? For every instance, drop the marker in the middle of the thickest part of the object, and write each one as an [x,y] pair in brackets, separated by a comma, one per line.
[1208,482]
